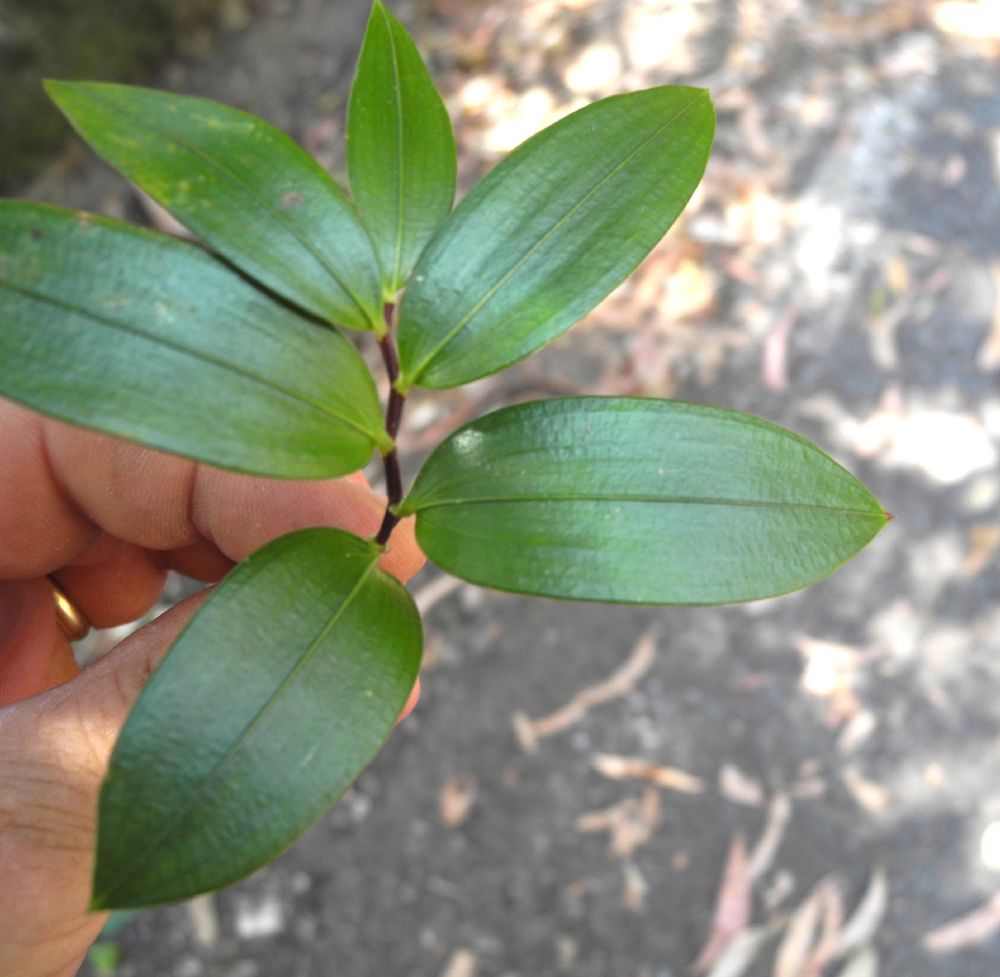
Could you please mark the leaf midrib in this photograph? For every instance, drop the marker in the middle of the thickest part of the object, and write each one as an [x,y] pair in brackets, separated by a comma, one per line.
[281,218]
[193,353]
[401,173]
[405,509]
[180,813]
[505,278]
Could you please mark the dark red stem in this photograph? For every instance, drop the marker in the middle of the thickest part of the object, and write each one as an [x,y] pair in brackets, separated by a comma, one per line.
[393,417]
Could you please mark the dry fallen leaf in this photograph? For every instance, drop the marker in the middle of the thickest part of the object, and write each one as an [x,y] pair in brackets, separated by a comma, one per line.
[635,888]
[856,731]
[757,216]
[740,953]
[774,363]
[795,949]
[863,924]
[780,888]
[862,964]
[732,907]
[457,799]
[688,293]
[988,357]
[809,789]
[972,929]
[462,964]
[764,852]
[567,951]
[616,767]
[831,903]
[737,787]
[629,823]
[984,540]
[204,917]
[897,274]
[870,795]
[829,667]
[435,591]
[619,683]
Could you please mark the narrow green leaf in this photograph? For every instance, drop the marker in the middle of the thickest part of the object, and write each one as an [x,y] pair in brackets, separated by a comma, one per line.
[273,699]
[550,232]
[243,186]
[637,501]
[149,338]
[400,147]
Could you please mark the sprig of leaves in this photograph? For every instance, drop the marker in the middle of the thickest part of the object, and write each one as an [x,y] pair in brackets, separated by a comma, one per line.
[291,675]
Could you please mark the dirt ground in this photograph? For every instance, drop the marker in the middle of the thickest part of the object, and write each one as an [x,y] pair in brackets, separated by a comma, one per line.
[804,786]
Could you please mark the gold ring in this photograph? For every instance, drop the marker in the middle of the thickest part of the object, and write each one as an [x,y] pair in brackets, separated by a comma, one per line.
[72,621]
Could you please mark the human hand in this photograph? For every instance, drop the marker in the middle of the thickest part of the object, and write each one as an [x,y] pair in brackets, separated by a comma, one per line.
[107,519]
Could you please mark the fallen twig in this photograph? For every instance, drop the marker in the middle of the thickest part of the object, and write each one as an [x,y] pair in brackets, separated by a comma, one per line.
[620,683]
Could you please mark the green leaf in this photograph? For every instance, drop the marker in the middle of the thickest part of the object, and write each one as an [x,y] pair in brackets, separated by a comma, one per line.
[550,232]
[140,335]
[400,147]
[637,501]
[273,699]
[245,188]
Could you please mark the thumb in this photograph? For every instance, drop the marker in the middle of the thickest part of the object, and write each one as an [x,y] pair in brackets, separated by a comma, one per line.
[80,720]
[54,752]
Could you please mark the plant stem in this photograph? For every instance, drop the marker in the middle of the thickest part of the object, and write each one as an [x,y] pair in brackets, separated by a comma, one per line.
[393,416]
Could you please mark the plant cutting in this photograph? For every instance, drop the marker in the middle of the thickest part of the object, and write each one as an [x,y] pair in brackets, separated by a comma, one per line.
[236,354]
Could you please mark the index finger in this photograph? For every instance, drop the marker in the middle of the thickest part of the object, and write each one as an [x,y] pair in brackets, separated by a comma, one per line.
[61,486]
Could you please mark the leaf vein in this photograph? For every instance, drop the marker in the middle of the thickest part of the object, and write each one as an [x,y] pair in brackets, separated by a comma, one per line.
[400,155]
[648,499]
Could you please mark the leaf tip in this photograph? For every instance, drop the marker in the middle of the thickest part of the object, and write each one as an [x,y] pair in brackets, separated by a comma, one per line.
[101,886]
[60,92]
[53,86]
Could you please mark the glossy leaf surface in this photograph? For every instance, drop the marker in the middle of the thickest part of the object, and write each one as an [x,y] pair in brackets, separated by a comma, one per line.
[550,232]
[273,699]
[140,335]
[243,186]
[400,147]
[644,501]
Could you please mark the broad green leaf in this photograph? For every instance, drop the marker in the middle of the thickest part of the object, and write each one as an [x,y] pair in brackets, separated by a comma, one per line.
[550,232]
[244,187]
[272,700]
[638,501]
[149,338]
[400,147]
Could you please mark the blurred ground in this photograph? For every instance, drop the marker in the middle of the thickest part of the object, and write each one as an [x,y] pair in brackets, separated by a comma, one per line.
[106,40]
[806,787]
